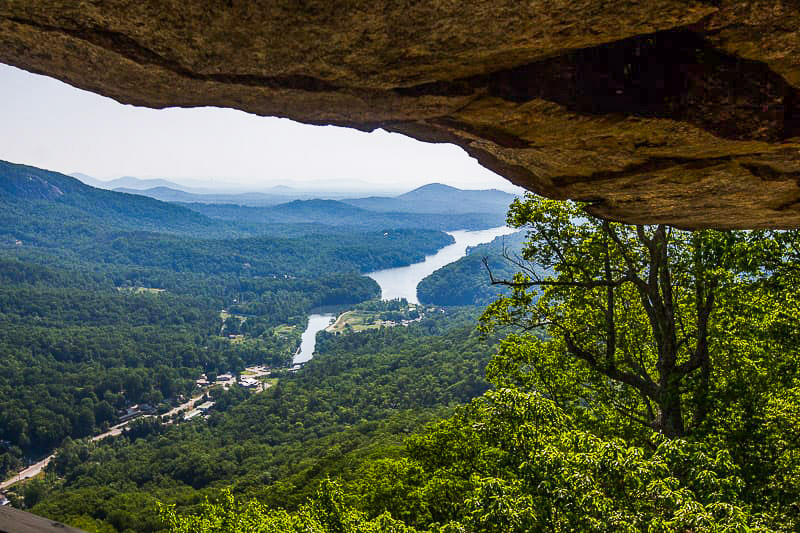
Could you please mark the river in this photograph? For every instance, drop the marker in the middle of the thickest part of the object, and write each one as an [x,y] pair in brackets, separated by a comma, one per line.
[308,341]
[401,282]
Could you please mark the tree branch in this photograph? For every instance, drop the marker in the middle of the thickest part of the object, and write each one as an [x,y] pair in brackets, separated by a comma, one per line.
[551,283]
[650,389]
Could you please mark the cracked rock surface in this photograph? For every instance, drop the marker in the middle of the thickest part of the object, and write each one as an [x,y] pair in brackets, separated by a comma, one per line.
[676,111]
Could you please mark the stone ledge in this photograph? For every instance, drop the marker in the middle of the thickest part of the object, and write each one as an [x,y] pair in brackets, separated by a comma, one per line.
[16,521]
[673,111]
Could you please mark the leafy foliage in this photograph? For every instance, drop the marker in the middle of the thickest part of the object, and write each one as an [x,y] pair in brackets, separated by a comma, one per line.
[355,400]
[569,439]
[647,378]
[326,513]
[628,310]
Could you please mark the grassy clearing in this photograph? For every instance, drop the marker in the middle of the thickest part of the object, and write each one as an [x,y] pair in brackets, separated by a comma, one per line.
[284,330]
[357,321]
[141,290]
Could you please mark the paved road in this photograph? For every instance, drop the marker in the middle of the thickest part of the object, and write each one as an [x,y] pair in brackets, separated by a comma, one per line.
[29,472]
[36,468]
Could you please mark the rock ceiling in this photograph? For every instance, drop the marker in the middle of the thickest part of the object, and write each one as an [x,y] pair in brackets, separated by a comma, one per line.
[674,111]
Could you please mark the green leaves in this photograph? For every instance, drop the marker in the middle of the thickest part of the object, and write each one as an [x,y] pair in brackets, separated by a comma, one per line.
[627,311]
[534,469]
[326,513]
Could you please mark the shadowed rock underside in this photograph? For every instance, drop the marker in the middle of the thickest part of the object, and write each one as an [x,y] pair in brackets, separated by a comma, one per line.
[675,111]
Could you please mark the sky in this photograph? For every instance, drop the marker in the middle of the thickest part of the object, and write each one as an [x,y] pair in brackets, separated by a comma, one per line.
[49,124]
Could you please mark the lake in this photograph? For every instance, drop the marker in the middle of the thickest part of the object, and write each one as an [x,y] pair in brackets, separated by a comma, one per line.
[401,282]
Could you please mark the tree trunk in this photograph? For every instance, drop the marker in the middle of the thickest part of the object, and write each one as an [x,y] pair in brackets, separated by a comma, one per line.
[670,422]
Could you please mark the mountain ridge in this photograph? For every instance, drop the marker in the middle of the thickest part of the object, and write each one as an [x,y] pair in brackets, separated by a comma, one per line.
[42,205]
[169,194]
[438,198]
[126,182]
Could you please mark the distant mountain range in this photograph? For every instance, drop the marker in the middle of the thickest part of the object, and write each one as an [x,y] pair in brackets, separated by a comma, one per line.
[438,198]
[432,198]
[252,199]
[433,206]
[127,182]
[229,192]
[44,207]
[158,185]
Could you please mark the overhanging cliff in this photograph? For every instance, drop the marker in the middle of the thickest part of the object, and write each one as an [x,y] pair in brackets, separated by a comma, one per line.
[673,111]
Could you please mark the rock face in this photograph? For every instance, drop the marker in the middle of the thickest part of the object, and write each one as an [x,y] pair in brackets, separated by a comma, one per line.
[676,111]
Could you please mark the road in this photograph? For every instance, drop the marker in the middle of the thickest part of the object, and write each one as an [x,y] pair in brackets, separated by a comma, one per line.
[36,468]
[31,471]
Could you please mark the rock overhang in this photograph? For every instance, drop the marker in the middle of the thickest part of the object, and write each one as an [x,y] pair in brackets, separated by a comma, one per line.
[674,111]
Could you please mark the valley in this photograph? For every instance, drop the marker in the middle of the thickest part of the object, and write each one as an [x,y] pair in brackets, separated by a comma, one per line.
[398,283]
[117,315]
[401,267]
[174,368]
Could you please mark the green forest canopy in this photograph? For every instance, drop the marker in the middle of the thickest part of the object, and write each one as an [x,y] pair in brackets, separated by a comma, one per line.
[653,384]
[642,377]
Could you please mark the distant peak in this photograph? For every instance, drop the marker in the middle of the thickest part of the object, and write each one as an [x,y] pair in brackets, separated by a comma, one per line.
[437,187]
[433,187]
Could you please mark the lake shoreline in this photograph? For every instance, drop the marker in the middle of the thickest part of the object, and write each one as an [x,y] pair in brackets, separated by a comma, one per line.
[400,282]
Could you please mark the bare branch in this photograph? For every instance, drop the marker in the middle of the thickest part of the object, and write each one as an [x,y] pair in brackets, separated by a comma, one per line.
[551,283]
[625,412]
[611,327]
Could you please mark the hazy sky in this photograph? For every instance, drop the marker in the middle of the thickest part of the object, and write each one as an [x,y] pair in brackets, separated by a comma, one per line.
[49,124]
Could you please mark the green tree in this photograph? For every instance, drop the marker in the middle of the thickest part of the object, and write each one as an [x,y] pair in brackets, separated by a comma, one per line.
[85,423]
[326,513]
[514,461]
[624,316]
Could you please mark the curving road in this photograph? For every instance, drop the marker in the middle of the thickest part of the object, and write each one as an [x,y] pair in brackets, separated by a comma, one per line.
[36,468]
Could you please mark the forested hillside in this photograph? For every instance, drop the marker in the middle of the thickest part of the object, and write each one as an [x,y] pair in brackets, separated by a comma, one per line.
[109,300]
[359,397]
[467,281]
[75,351]
[647,381]
[342,215]
[43,208]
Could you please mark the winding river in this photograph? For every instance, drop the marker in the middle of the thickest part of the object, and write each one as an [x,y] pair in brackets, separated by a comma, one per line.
[401,282]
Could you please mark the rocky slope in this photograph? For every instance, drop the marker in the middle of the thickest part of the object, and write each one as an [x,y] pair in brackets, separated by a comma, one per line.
[674,111]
